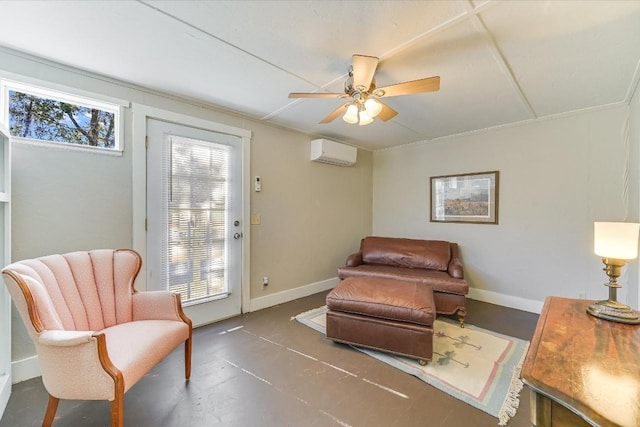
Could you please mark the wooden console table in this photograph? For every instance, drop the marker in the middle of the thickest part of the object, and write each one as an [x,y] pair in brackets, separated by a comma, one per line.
[582,370]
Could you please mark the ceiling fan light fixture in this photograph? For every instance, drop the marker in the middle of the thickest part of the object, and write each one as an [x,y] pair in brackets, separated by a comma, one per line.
[365,118]
[363,95]
[351,116]
[373,107]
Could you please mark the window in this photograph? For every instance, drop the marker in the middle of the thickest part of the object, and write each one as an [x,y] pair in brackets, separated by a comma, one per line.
[46,116]
[197,179]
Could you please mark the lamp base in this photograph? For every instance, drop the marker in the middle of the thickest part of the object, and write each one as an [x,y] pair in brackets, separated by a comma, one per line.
[614,311]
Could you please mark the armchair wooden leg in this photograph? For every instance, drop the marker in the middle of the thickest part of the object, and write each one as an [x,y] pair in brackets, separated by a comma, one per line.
[52,407]
[187,359]
[117,411]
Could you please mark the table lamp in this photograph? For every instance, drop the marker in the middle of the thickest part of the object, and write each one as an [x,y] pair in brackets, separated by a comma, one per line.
[615,242]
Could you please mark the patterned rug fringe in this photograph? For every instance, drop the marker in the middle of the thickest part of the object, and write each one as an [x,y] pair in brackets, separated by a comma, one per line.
[512,400]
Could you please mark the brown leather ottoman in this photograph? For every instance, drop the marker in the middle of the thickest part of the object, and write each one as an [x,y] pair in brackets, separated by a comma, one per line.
[383,314]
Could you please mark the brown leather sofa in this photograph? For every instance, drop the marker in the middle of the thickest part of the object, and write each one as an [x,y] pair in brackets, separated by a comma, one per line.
[433,262]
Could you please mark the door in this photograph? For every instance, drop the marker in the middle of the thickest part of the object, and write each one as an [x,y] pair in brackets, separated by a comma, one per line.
[194,218]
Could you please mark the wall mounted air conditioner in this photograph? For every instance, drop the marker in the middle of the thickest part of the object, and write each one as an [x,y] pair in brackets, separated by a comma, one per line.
[334,153]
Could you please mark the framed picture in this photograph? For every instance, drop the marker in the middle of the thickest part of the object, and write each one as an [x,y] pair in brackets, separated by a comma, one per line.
[470,197]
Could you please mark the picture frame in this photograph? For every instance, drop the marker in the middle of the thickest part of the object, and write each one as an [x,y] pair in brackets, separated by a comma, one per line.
[468,198]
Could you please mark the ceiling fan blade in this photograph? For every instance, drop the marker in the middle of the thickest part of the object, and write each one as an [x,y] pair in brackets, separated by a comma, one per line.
[386,113]
[364,67]
[315,95]
[334,114]
[430,84]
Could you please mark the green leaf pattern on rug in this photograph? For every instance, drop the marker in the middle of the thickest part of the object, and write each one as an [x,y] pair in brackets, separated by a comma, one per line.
[449,356]
[460,341]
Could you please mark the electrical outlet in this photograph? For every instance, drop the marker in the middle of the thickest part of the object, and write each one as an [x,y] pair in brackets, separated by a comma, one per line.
[265,281]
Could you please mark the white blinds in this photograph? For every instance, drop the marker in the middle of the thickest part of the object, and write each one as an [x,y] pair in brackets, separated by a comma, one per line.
[196,200]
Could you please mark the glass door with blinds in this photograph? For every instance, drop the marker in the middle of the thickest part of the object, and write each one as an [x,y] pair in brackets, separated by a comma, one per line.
[194,223]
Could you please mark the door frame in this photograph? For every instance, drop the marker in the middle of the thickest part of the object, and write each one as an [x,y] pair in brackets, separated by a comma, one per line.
[139,185]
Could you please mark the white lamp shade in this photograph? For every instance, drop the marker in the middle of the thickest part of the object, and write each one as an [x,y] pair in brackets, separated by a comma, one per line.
[365,118]
[373,107]
[351,116]
[617,240]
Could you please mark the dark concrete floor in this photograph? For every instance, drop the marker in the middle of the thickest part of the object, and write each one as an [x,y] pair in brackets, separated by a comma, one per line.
[256,376]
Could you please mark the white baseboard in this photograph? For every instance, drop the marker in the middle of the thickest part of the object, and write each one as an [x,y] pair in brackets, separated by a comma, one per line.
[25,369]
[292,294]
[5,392]
[529,305]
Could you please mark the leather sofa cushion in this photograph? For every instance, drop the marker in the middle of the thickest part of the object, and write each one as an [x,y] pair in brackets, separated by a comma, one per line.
[384,299]
[407,253]
[440,281]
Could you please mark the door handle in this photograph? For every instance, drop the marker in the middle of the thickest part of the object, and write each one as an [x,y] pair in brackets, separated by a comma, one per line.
[237,235]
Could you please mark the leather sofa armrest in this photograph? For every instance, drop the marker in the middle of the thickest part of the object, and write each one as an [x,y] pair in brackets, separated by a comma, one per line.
[455,268]
[354,260]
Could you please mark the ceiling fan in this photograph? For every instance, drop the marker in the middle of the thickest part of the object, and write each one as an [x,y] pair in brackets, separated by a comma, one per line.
[360,86]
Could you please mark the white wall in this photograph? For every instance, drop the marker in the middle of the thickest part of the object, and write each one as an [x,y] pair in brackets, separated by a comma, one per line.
[556,178]
[312,214]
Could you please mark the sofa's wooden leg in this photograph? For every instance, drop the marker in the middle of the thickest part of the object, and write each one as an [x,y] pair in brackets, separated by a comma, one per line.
[117,411]
[462,313]
[52,407]
[187,359]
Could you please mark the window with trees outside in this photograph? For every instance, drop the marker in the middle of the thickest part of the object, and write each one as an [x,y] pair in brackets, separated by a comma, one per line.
[46,116]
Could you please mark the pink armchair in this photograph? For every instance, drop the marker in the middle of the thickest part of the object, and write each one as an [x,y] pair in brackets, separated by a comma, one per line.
[94,334]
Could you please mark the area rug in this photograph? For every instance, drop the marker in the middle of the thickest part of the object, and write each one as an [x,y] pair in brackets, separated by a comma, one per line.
[477,366]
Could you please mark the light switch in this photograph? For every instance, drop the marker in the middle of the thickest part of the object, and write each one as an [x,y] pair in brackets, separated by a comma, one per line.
[256,219]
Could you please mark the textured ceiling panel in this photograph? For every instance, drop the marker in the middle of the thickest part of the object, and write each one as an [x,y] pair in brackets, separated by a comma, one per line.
[569,56]
[499,62]
[314,40]
[475,91]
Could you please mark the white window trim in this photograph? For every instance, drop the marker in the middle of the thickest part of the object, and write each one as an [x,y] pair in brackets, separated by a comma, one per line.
[77,97]
[67,146]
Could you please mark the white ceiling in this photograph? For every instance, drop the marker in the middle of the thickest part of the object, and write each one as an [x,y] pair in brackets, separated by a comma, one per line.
[500,61]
